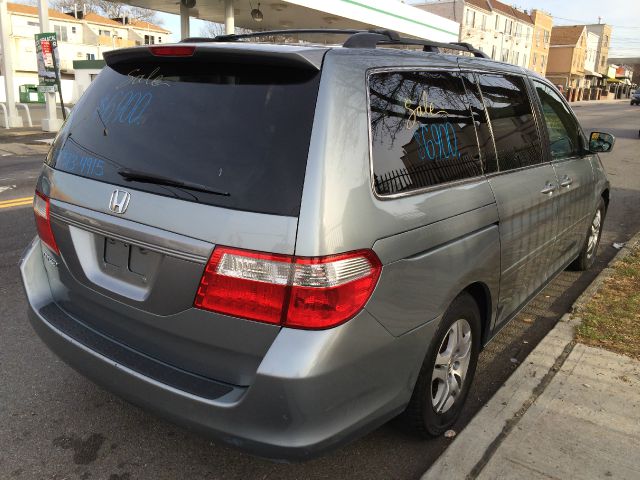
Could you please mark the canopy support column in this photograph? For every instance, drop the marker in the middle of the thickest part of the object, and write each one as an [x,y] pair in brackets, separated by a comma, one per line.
[12,117]
[229,19]
[184,21]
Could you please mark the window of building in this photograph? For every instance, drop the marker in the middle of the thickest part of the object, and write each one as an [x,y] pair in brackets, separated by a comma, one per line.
[564,132]
[493,52]
[497,22]
[542,61]
[606,40]
[505,55]
[159,40]
[602,61]
[516,57]
[91,56]
[73,29]
[546,36]
[61,33]
[422,131]
[484,22]
[514,129]
[149,40]
[524,60]
[534,60]
[33,24]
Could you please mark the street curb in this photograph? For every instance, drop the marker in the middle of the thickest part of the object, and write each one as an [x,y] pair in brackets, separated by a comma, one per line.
[473,448]
[470,451]
[605,273]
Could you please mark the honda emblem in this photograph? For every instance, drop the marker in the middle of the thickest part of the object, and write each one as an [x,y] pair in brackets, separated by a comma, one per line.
[119,201]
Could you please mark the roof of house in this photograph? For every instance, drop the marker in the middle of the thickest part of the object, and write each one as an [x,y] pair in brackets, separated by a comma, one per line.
[484,4]
[144,25]
[566,35]
[89,17]
[28,10]
[491,5]
[95,18]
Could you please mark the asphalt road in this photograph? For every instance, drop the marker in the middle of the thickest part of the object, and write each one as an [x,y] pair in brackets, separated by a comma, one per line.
[57,425]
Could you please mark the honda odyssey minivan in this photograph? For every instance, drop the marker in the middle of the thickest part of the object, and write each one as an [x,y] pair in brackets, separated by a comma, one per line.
[285,246]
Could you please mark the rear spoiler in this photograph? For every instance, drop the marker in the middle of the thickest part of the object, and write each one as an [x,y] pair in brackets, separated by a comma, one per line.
[293,57]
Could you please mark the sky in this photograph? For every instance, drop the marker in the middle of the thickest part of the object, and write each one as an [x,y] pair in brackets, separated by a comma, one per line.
[621,14]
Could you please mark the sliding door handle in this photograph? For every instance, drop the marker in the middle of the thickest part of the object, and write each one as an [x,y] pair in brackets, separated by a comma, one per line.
[548,189]
[566,181]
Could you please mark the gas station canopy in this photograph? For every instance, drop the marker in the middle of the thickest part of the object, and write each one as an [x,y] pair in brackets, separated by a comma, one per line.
[284,14]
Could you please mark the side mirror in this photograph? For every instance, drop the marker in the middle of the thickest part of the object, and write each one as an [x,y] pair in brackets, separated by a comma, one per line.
[600,142]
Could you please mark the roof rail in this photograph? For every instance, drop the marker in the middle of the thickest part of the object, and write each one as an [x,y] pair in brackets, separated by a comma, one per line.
[357,39]
[372,38]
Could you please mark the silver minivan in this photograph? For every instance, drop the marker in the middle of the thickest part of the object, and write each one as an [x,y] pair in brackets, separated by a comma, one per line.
[285,246]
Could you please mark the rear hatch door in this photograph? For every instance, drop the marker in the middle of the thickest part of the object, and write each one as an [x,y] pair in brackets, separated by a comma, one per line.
[169,153]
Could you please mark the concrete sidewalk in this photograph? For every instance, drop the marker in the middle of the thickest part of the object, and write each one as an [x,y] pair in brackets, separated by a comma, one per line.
[24,141]
[569,411]
[596,102]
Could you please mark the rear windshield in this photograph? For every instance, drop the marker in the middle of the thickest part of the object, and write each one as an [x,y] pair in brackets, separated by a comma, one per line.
[238,129]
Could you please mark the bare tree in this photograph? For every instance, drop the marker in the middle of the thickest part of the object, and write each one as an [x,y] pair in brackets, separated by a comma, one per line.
[211,29]
[107,9]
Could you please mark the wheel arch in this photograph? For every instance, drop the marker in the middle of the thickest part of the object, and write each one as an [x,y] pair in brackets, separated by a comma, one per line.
[481,294]
[605,196]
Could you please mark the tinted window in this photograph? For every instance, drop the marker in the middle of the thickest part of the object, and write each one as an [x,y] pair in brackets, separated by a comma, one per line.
[564,132]
[485,141]
[514,129]
[422,131]
[241,129]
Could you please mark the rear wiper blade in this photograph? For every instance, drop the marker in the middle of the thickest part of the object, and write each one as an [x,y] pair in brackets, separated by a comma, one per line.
[138,176]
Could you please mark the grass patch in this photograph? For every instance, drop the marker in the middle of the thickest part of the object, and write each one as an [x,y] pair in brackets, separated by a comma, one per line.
[611,319]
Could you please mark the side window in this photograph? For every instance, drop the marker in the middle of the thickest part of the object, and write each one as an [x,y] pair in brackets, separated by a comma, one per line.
[485,141]
[422,132]
[514,128]
[564,131]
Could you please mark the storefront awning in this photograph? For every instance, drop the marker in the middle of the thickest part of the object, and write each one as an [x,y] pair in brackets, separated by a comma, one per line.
[589,73]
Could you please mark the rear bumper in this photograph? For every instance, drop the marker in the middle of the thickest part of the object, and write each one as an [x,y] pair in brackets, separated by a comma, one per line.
[313,391]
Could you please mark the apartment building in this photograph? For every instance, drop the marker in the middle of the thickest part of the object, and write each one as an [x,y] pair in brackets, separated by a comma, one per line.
[567,55]
[542,25]
[603,31]
[80,37]
[499,30]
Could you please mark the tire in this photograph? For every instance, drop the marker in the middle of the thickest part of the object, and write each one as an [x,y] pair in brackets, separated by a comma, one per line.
[432,410]
[587,255]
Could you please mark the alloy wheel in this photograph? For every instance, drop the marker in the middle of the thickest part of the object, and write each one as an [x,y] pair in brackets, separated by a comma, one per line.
[594,234]
[451,365]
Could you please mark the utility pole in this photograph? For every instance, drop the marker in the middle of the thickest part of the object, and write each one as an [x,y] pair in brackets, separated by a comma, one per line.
[14,120]
[50,122]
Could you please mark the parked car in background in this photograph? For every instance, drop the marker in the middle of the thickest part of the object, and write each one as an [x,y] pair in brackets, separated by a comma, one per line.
[635,98]
[285,246]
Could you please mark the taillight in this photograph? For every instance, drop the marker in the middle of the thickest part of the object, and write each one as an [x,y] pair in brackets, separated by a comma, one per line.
[43,221]
[295,292]
[173,51]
